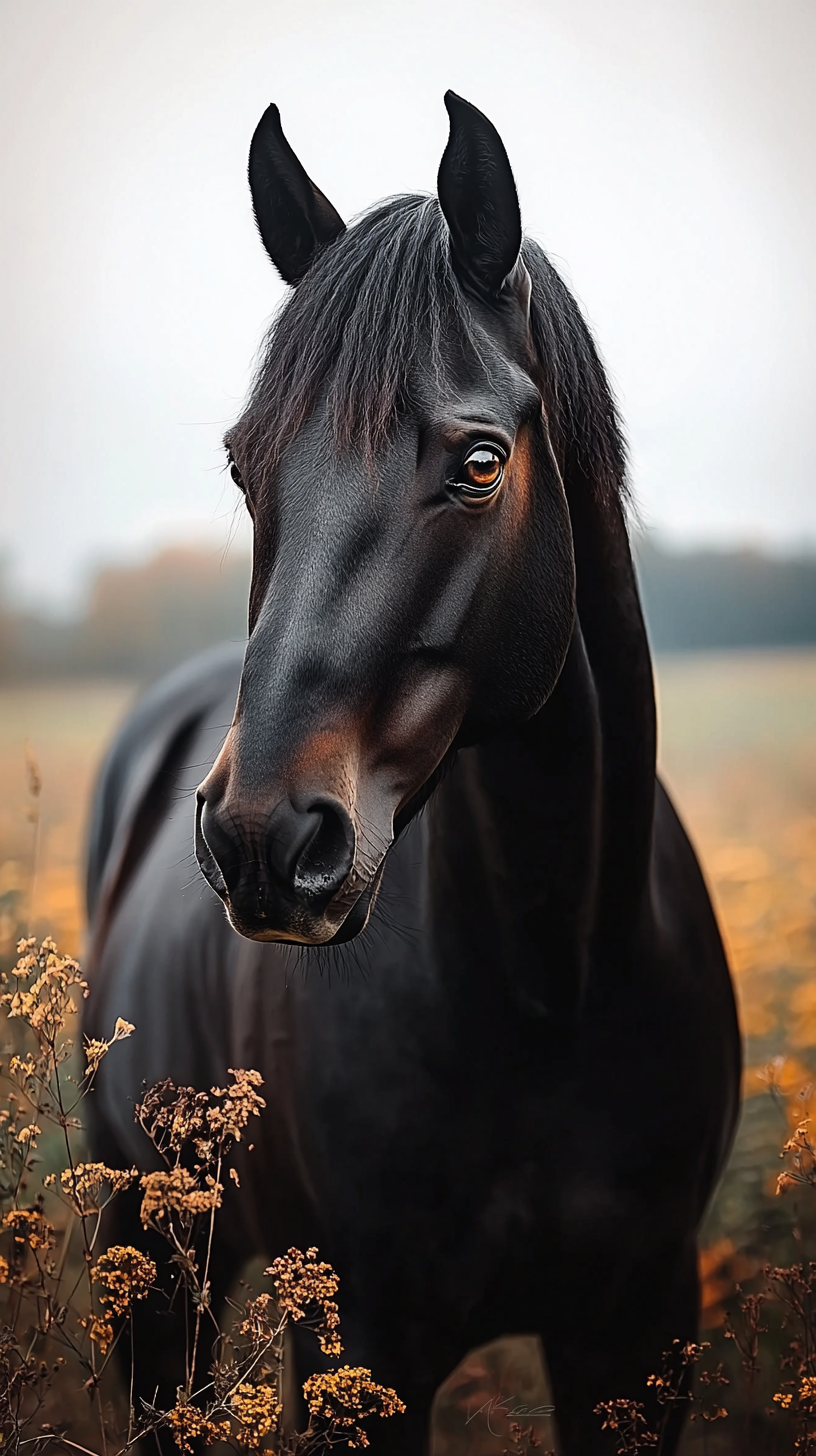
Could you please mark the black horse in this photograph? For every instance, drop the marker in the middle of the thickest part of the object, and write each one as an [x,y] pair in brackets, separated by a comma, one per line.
[502,1079]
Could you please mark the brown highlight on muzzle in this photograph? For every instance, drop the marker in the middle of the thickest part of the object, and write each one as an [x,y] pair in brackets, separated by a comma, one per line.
[291,855]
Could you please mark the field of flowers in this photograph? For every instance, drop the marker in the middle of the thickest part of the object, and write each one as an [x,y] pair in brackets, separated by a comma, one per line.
[738,752]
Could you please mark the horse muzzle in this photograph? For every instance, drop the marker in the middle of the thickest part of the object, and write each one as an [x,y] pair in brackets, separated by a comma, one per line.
[291,875]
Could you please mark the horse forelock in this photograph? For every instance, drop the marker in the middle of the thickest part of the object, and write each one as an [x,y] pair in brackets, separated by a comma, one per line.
[381,307]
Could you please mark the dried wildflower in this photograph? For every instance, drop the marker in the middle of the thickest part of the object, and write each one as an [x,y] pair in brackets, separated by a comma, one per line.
[345,1397]
[172,1116]
[795,1287]
[99,1330]
[746,1332]
[712,1413]
[715,1413]
[784,1398]
[177,1192]
[23,1067]
[84,1185]
[29,1134]
[4,1270]
[189,1425]
[241,1101]
[28,1226]
[126,1275]
[713,1380]
[626,1419]
[798,1139]
[257,1323]
[523,1440]
[802,1153]
[45,1002]
[95,1050]
[96,1047]
[257,1411]
[211,1121]
[303,1285]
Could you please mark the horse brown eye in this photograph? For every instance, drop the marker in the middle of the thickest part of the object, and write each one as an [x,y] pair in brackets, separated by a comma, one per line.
[236,475]
[480,474]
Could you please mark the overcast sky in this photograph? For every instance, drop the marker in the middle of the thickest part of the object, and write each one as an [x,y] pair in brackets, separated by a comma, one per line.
[664,155]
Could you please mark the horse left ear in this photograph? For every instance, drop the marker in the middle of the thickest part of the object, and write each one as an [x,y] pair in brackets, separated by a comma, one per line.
[478,197]
[293,216]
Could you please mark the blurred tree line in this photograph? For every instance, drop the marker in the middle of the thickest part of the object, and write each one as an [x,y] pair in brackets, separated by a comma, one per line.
[142,620]
[139,620]
[721,599]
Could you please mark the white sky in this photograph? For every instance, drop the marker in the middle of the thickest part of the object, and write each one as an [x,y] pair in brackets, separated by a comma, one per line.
[663,151]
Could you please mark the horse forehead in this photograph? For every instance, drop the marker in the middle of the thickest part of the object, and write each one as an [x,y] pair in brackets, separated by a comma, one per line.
[329,494]
[342,518]
[337,493]
[488,383]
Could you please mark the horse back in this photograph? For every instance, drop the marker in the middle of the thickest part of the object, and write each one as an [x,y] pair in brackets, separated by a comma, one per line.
[140,774]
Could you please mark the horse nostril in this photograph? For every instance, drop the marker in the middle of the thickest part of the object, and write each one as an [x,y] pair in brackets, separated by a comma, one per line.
[211,847]
[326,860]
[305,849]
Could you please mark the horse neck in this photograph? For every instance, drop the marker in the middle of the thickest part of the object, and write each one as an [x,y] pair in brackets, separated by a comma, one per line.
[540,841]
[514,839]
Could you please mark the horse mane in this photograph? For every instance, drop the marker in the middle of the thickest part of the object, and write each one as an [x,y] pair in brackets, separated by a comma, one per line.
[381,299]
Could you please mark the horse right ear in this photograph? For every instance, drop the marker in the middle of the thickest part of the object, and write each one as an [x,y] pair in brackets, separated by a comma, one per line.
[478,197]
[293,217]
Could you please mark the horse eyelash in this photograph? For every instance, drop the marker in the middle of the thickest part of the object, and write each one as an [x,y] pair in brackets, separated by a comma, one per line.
[235,475]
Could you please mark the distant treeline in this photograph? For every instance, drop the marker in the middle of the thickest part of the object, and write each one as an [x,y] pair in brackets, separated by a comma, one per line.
[142,620]
[709,599]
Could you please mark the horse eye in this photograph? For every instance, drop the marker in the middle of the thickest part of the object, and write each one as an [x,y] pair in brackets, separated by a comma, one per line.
[236,475]
[480,473]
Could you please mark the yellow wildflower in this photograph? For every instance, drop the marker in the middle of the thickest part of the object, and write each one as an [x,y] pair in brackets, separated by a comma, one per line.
[258,1413]
[301,1282]
[345,1397]
[189,1425]
[126,1275]
[84,1185]
[177,1192]
[29,1226]
[99,1330]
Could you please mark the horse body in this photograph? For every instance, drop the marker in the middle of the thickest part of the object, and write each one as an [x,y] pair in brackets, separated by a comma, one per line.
[502,1081]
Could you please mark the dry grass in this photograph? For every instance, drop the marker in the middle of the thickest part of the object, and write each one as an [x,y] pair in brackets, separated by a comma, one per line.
[68,728]
[738,749]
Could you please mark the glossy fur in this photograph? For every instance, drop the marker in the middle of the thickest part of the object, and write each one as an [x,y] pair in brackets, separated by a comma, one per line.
[500,1047]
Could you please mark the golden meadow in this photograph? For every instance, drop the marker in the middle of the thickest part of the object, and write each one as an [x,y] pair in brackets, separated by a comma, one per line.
[738,751]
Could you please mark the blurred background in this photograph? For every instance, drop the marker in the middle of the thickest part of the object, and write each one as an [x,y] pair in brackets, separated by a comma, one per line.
[664,158]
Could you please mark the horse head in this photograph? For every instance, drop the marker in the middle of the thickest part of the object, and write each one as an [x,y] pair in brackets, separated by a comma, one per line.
[413,578]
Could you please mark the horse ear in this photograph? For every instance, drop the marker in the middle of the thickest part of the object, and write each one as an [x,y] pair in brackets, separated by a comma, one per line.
[293,217]
[478,197]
